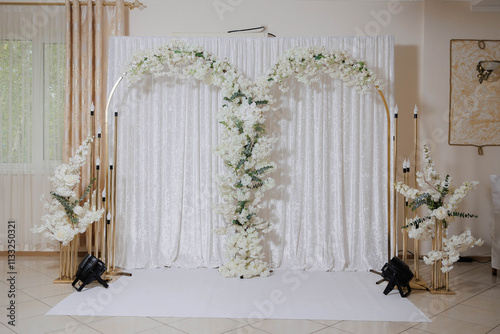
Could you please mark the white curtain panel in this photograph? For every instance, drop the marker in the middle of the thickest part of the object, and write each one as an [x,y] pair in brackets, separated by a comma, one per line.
[495,224]
[32,72]
[329,206]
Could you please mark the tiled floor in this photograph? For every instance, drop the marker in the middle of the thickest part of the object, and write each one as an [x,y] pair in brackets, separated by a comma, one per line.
[474,309]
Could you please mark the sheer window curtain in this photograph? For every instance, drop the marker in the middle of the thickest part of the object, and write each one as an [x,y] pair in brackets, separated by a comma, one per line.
[32,67]
[329,205]
[53,65]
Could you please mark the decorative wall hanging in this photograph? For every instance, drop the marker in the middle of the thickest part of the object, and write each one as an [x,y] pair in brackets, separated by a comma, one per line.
[474,93]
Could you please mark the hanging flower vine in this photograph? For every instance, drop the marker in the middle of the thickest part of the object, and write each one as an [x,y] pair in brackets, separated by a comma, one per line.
[244,144]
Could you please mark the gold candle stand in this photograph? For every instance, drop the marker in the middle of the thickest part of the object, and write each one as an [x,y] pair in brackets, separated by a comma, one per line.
[68,262]
[440,282]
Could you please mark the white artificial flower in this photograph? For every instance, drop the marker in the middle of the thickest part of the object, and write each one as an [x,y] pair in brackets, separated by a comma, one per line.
[440,213]
[56,224]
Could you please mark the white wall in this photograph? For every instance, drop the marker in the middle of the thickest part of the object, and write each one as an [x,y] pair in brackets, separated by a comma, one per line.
[422,30]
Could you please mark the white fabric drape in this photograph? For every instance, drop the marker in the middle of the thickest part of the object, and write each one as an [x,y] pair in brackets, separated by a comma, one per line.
[329,208]
[32,60]
[495,224]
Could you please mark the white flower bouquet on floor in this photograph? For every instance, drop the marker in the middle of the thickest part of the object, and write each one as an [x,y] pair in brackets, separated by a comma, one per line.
[442,201]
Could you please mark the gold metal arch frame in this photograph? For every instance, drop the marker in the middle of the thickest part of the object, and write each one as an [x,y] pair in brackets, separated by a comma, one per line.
[391,212]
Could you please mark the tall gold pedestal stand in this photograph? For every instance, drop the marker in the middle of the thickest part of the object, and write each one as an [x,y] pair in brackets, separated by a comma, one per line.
[405,216]
[112,272]
[440,282]
[416,283]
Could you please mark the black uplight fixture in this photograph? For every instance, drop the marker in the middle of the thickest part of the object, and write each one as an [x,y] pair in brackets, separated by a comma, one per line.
[89,270]
[398,274]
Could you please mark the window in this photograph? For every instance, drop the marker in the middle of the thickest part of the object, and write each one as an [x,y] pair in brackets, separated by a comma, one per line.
[32,74]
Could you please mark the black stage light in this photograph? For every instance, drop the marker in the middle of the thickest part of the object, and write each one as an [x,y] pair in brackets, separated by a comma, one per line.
[89,270]
[397,273]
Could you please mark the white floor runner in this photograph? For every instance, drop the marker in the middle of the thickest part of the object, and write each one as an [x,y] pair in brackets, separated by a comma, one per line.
[204,293]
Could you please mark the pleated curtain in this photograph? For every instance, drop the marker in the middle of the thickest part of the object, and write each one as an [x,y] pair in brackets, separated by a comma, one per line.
[329,206]
[89,25]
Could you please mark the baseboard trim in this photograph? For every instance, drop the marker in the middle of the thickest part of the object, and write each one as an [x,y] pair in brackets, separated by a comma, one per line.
[39,253]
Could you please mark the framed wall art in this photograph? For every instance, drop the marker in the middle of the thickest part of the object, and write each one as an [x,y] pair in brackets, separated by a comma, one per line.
[474,93]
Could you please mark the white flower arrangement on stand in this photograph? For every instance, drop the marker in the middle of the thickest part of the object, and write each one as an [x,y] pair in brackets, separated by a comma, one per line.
[244,145]
[66,217]
[442,201]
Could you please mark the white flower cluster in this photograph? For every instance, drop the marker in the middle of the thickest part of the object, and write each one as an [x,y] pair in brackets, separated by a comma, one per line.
[452,248]
[244,145]
[246,258]
[424,231]
[306,63]
[442,201]
[57,224]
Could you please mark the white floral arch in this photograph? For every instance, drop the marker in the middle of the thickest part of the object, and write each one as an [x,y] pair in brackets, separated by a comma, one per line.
[245,147]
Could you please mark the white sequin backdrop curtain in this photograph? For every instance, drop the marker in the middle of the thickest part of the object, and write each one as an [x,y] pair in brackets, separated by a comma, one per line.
[329,206]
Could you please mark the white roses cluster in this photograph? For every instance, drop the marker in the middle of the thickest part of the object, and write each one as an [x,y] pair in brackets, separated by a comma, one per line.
[63,223]
[452,248]
[442,201]
[244,145]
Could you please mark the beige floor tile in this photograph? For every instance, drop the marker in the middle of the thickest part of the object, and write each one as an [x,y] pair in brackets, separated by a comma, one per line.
[124,325]
[20,297]
[327,322]
[276,326]
[42,264]
[246,330]
[432,305]
[4,287]
[4,329]
[331,330]
[484,301]
[383,327]
[414,331]
[80,329]
[495,330]
[463,267]
[165,329]
[31,308]
[481,275]
[48,290]
[464,290]
[87,319]
[44,324]
[493,292]
[166,320]
[21,272]
[54,300]
[246,321]
[444,325]
[33,281]
[474,315]
[206,325]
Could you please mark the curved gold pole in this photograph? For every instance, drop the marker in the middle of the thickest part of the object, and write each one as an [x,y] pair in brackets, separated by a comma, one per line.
[112,179]
[389,207]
